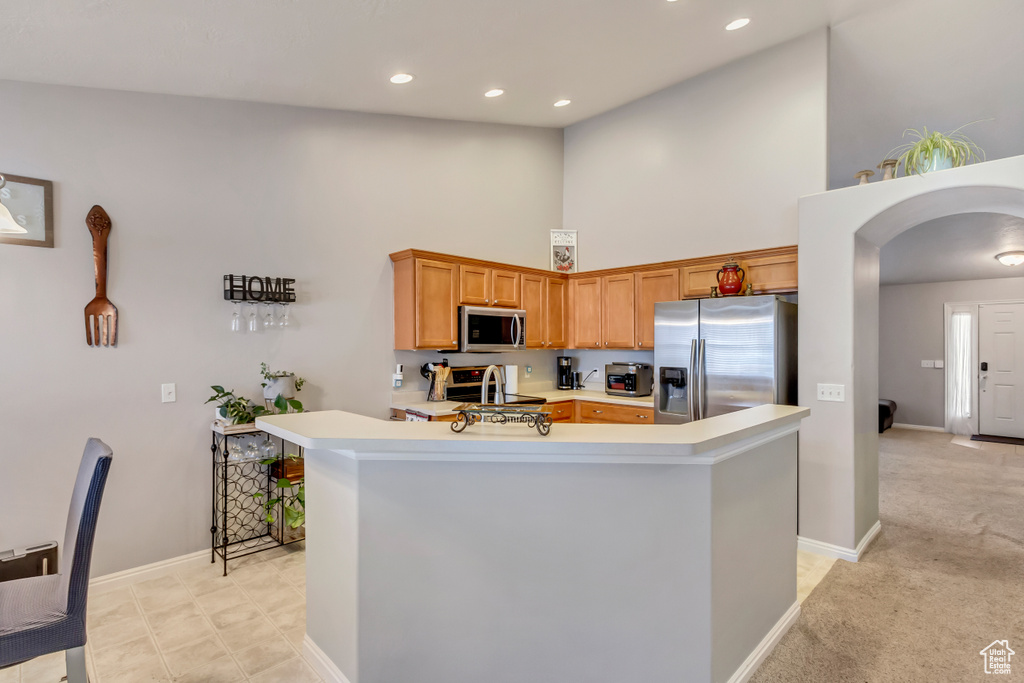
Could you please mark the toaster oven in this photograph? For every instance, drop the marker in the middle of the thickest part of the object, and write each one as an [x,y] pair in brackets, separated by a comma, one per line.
[628,379]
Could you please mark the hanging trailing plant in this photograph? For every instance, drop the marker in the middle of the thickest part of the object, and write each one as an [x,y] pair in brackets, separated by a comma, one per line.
[931,148]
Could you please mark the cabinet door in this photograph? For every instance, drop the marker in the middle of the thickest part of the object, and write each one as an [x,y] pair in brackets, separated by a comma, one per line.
[594,412]
[536,310]
[556,303]
[474,285]
[697,281]
[772,273]
[504,289]
[652,287]
[586,319]
[618,329]
[437,321]
[561,411]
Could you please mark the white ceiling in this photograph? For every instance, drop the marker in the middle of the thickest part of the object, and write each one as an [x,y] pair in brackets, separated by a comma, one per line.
[961,247]
[339,54]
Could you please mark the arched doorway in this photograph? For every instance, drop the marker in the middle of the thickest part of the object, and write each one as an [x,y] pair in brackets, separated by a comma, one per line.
[840,235]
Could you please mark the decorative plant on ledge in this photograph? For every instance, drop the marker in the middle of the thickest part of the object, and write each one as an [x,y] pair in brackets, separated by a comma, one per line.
[291,495]
[936,151]
[240,410]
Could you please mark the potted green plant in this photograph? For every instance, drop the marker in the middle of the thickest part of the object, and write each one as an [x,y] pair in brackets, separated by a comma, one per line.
[240,410]
[935,151]
[282,383]
[290,494]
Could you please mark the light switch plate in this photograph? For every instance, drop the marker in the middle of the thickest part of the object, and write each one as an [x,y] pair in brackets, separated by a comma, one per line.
[168,393]
[940,364]
[832,392]
[927,364]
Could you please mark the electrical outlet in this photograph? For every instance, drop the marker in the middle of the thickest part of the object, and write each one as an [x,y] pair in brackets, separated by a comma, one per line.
[927,364]
[168,393]
[529,370]
[832,392]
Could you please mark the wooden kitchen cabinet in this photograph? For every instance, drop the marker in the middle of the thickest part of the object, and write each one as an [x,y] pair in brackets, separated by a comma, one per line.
[586,313]
[561,411]
[618,312]
[535,305]
[696,281]
[652,287]
[772,273]
[480,286]
[556,303]
[426,304]
[593,412]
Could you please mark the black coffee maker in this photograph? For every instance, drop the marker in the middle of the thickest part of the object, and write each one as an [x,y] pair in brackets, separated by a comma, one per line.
[564,372]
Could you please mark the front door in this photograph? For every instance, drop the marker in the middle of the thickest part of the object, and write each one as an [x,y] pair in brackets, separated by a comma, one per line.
[1001,379]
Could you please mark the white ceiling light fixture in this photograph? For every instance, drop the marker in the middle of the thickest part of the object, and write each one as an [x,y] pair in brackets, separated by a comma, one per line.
[8,226]
[496,92]
[400,79]
[739,23]
[562,103]
[1011,258]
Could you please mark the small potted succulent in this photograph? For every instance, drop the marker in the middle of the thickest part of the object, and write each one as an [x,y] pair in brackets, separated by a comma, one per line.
[935,151]
[277,384]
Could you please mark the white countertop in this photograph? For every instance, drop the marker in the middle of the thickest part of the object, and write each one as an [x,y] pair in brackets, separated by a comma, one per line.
[703,442]
[413,400]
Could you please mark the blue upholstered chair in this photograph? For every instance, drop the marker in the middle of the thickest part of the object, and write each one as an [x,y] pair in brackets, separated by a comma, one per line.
[45,614]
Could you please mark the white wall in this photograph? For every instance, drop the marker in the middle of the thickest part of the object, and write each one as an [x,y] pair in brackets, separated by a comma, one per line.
[196,189]
[911,330]
[836,449]
[711,165]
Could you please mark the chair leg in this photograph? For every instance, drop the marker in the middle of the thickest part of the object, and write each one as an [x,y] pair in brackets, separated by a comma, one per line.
[75,659]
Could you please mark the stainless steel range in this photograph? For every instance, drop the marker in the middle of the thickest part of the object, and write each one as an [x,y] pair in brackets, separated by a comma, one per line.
[466,383]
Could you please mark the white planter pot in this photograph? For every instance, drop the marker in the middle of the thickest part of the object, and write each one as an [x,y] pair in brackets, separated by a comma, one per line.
[280,386]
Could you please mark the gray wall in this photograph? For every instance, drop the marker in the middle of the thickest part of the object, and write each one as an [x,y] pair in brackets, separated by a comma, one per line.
[712,165]
[911,330]
[934,63]
[196,189]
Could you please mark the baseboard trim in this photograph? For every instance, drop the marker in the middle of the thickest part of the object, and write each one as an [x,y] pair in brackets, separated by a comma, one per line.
[767,644]
[837,551]
[128,576]
[321,663]
[919,428]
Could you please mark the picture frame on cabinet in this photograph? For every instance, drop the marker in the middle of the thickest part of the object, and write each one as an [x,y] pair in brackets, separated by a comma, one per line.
[565,252]
[30,201]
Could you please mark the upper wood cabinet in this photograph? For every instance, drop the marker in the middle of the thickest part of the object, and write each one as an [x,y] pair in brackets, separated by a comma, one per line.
[535,305]
[772,273]
[696,281]
[618,312]
[556,320]
[480,286]
[426,306]
[586,313]
[652,287]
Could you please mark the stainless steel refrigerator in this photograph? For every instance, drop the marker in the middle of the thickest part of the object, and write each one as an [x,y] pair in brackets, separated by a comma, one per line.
[716,356]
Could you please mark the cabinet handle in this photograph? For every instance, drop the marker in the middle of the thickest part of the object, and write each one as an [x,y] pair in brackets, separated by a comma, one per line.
[453,341]
[641,343]
[642,417]
[598,412]
[597,343]
[487,301]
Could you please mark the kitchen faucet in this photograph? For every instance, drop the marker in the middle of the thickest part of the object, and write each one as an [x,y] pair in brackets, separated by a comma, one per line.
[499,384]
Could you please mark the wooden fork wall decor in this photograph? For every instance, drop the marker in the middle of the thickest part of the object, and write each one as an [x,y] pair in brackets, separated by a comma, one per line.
[100,314]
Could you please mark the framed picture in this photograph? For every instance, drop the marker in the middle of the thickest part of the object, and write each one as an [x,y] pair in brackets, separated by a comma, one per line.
[564,251]
[30,202]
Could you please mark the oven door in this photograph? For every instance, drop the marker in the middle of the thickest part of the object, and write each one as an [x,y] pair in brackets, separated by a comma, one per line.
[484,329]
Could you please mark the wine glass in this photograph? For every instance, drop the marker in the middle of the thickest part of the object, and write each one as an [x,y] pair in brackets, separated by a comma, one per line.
[236,318]
[282,320]
[252,451]
[268,319]
[254,325]
[234,451]
[268,449]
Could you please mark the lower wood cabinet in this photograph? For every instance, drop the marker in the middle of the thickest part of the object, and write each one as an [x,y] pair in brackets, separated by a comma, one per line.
[561,411]
[597,412]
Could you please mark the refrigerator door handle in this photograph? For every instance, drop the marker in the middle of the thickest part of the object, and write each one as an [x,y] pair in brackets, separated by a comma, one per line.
[701,399]
[691,390]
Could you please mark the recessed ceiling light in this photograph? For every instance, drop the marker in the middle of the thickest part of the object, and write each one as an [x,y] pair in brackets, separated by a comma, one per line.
[562,103]
[739,23]
[399,79]
[1011,258]
[494,93]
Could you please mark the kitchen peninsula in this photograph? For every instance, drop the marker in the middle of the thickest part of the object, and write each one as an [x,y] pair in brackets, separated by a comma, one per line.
[600,553]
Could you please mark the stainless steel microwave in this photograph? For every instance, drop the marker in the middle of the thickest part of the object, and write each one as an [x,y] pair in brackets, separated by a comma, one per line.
[483,329]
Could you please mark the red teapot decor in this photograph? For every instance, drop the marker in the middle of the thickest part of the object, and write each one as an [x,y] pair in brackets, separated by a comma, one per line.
[730,278]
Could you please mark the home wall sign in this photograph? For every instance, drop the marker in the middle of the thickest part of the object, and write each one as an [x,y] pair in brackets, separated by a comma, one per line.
[254,288]
[30,201]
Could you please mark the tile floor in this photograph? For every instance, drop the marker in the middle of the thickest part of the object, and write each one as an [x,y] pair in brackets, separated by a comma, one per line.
[193,625]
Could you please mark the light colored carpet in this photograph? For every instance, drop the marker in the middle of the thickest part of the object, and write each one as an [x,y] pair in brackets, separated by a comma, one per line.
[943,579]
